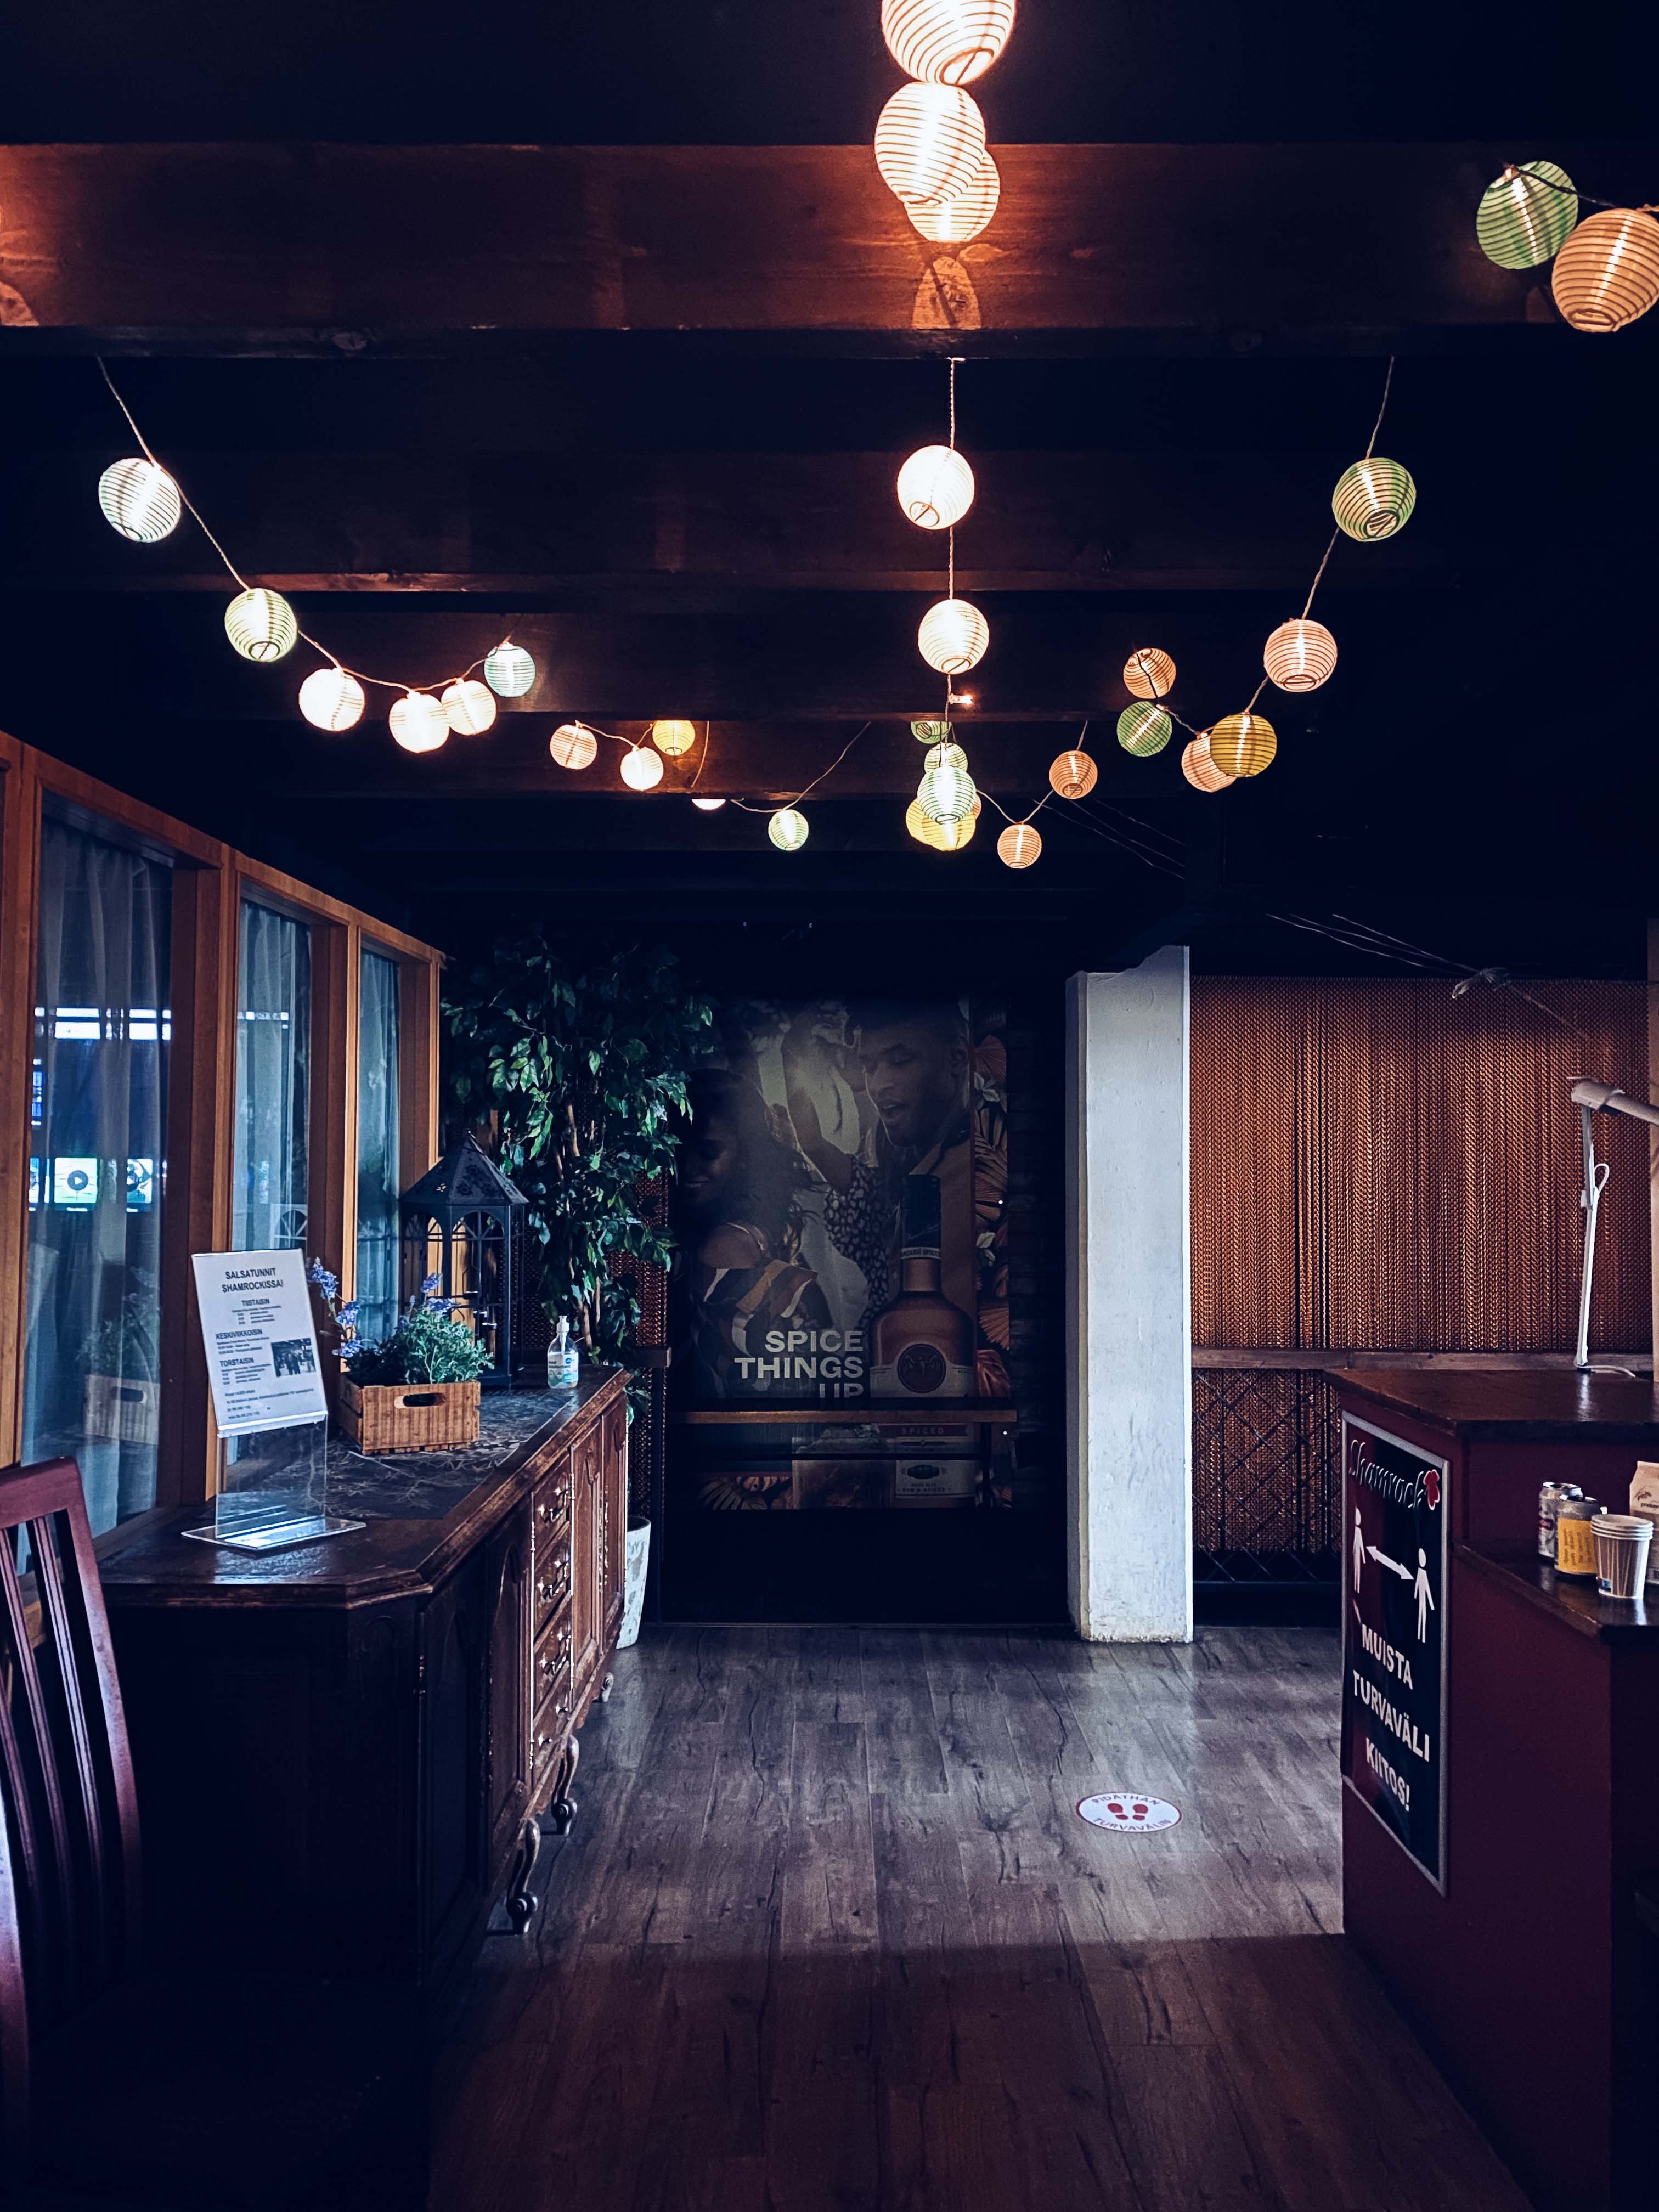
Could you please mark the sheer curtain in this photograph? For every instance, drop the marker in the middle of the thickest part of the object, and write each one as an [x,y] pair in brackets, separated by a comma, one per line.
[97,1170]
[273,1065]
[377,1147]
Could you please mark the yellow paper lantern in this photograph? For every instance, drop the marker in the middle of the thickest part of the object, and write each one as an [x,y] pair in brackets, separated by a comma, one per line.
[708,805]
[941,836]
[419,723]
[641,769]
[1073,775]
[1243,744]
[140,500]
[573,745]
[945,794]
[955,220]
[332,700]
[1199,768]
[1018,845]
[953,636]
[1148,673]
[931,733]
[1607,272]
[1373,499]
[509,670]
[469,707]
[930,139]
[1524,217]
[261,625]
[936,487]
[916,822]
[1143,729]
[787,828]
[673,738]
[946,41]
[1299,656]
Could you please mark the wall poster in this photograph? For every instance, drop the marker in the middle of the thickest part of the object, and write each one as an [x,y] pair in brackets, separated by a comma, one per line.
[1394,1637]
[840,1213]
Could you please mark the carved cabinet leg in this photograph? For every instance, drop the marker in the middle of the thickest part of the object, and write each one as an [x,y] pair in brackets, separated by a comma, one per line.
[562,1809]
[520,1904]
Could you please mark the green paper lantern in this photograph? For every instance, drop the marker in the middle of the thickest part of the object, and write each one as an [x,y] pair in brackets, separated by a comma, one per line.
[1143,730]
[945,794]
[1373,499]
[931,733]
[1520,222]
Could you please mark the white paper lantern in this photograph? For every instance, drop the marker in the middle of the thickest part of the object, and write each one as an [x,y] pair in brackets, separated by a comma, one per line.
[1148,673]
[673,737]
[332,700]
[947,794]
[962,217]
[470,707]
[573,745]
[930,139]
[944,755]
[1200,770]
[953,636]
[509,670]
[1018,845]
[261,625]
[419,723]
[787,828]
[1299,656]
[641,769]
[946,41]
[708,805]
[936,487]
[140,500]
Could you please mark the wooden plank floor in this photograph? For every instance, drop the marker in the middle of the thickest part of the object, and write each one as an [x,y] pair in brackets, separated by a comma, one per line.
[829,1935]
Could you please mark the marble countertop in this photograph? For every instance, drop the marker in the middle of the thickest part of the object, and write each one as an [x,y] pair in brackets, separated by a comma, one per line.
[426,1486]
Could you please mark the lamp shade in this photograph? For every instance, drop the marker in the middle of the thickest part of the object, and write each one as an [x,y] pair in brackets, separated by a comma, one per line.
[260,625]
[1299,656]
[1607,272]
[332,700]
[1144,729]
[955,220]
[509,670]
[140,500]
[946,41]
[1018,845]
[470,705]
[945,794]
[1072,775]
[573,745]
[1148,673]
[419,723]
[673,737]
[944,755]
[1200,769]
[641,769]
[936,487]
[1243,744]
[953,636]
[1524,217]
[787,828]
[916,822]
[930,139]
[708,805]
[931,733]
[1373,499]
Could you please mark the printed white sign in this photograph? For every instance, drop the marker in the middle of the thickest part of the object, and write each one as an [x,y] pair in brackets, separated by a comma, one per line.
[261,1341]
[1129,1812]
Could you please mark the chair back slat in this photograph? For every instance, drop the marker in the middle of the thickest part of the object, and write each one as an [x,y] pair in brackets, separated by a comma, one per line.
[65,1766]
[14,2019]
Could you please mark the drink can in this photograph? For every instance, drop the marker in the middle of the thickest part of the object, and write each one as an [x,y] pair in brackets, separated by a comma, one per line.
[1575,1539]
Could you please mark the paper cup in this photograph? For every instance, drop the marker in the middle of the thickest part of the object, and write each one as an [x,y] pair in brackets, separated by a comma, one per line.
[1621,1553]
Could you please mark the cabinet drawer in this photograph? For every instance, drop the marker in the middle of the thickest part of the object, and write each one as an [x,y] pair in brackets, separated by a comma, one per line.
[552,1655]
[552,1500]
[552,1724]
[552,1578]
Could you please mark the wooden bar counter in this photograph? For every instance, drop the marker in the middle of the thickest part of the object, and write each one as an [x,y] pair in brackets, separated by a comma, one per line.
[343,1748]
[1526,1968]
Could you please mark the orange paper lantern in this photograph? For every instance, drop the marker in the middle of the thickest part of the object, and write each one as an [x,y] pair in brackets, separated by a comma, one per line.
[1018,845]
[1148,673]
[1607,272]
[1073,775]
[1200,769]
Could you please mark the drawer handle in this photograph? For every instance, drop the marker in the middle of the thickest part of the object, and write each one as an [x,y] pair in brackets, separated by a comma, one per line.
[551,1590]
[552,1509]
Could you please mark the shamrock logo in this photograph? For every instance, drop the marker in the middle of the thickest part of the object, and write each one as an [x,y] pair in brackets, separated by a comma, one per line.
[1431,1487]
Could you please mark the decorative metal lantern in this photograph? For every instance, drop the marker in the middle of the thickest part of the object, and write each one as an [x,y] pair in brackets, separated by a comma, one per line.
[464,1223]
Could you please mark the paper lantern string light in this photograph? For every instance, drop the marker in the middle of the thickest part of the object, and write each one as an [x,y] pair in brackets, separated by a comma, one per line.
[673,738]
[332,700]
[469,706]
[930,137]
[418,723]
[946,41]
[1607,267]
[140,500]
[1200,769]
[1524,216]
[787,828]
[573,745]
[1144,729]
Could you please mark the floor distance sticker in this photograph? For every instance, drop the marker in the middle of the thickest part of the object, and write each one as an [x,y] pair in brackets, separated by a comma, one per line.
[1128,1812]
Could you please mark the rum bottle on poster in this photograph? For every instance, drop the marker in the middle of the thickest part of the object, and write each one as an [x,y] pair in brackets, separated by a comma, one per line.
[922,1345]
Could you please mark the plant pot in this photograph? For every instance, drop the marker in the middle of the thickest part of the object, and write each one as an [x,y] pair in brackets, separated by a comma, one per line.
[409,1417]
[639,1558]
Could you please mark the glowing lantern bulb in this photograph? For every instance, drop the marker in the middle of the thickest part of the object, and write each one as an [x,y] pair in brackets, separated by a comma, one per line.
[1607,272]
[1200,769]
[1143,729]
[261,625]
[1073,775]
[1299,656]
[955,220]
[1244,745]
[708,805]
[469,707]
[946,41]
[945,794]
[673,738]
[1523,218]
[1148,673]
[953,636]
[1373,499]
[930,140]
[509,670]
[787,829]
[936,487]
[573,745]
[931,733]
[641,769]
[419,723]
[1018,845]
[140,500]
[332,700]
[944,755]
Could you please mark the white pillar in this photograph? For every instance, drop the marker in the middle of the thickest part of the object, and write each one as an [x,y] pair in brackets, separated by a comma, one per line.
[1128,1304]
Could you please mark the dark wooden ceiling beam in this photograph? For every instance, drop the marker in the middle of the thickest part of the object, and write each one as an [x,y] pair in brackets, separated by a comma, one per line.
[252,246]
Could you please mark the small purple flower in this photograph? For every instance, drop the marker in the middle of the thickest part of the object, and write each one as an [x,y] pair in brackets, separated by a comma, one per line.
[348,1314]
[430,1285]
[328,1284]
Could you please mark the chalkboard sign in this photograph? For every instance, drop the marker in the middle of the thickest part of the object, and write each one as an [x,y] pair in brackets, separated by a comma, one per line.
[1394,1637]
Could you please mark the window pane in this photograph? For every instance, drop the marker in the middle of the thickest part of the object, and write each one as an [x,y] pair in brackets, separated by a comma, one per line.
[378,1148]
[273,1061]
[97,1170]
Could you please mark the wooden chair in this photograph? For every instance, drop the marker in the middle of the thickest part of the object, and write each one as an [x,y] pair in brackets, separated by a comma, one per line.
[122,2087]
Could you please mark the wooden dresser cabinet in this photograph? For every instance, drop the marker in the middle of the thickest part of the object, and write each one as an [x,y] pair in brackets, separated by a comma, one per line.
[344,1750]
